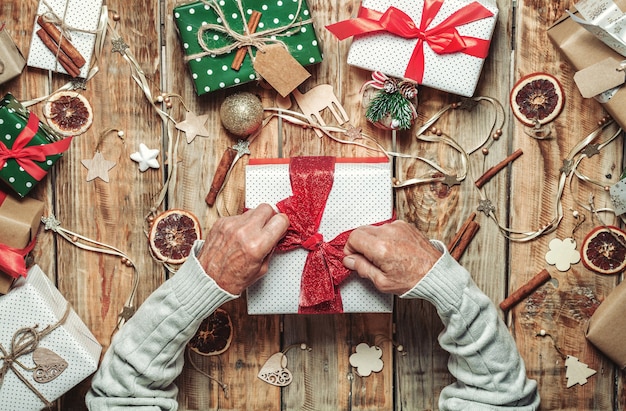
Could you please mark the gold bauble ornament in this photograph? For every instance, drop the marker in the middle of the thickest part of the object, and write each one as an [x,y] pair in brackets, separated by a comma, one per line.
[241,113]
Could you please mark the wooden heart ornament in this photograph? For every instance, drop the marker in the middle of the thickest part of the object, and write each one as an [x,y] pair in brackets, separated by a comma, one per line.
[275,371]
[49,365]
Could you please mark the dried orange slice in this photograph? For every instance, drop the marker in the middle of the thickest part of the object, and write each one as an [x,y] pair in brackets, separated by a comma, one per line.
[537,99]
[604,250]
[68,113]
[214,335]
[172,234]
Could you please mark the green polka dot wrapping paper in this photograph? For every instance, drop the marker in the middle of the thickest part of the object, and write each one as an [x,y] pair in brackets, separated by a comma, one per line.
[14,120]
[214,72]
[441,44]
[361,194]
[35,303]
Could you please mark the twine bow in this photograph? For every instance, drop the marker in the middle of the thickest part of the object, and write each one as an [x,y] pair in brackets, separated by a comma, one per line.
[257,39]
[66,30]
[26,156]
[24,342]
[311,181]
[443,38]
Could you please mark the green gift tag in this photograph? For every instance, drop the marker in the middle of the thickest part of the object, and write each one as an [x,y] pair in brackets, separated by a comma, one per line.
[282,21]
[13,120]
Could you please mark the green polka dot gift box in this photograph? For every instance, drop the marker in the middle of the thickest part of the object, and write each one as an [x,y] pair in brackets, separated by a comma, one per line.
[28,148]
[210,32]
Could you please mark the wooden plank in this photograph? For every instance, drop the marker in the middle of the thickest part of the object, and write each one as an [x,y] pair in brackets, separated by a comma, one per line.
[439,211]
[563,311]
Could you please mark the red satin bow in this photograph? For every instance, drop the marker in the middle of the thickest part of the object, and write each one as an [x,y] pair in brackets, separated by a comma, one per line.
[12,259]
[311,181]
[26,156]
[444,38]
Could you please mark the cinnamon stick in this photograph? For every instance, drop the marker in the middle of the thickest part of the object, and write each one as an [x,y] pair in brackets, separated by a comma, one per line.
[466,238]
[489,174]
[66,45]
[240,56]
[63,59]
[459,233]
[220,175]
[524,291]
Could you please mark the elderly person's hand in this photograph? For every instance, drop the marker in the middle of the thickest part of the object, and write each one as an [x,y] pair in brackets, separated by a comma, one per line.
[237,249]
[394,256]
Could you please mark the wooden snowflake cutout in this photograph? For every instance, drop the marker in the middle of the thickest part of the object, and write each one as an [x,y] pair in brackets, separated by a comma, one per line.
[562,253]
[366,359]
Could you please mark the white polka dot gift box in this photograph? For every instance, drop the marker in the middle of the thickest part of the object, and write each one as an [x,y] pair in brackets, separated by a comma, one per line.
[80,18]
[28,148]
[324,198]
[45,348]
[438,43]
[211,32]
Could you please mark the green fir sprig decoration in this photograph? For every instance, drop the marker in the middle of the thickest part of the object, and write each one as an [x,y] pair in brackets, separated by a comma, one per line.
[393,104]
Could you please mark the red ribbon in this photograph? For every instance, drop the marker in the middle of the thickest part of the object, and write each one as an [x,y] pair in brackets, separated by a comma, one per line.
[444,38]
[26,156]
[12,259]
[311,181]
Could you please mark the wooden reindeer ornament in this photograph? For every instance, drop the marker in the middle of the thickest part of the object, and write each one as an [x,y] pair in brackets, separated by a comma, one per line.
[314,101]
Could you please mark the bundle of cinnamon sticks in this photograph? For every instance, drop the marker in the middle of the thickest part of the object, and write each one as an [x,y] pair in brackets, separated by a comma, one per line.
[67,55]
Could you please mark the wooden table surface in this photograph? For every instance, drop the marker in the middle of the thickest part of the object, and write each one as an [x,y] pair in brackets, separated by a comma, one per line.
[524,195]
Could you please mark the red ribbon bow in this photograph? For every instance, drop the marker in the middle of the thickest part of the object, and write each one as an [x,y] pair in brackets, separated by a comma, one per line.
[444,38]
[12,259]
[311,181]
[26,156]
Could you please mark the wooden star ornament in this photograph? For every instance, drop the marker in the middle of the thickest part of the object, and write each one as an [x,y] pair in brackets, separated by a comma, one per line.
[193,126]
[98,167]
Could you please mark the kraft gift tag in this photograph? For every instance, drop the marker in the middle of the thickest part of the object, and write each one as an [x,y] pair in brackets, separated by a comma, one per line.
[280,69]
[600,77]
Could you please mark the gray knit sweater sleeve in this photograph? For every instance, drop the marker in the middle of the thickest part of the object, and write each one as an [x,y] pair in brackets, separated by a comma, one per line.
[147,354]
[484,360]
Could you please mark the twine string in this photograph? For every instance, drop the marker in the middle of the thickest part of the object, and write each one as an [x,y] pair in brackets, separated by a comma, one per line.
[258,39]
[25,341]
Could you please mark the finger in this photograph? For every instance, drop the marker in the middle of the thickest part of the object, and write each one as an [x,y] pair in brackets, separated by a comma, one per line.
[276,227]
[358,240]
[363,267]
[262,213]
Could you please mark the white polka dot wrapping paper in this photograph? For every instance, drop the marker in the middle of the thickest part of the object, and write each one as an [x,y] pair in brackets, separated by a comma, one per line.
[361,194]
[83,15]
[391,54]
[35,301]
[214,72]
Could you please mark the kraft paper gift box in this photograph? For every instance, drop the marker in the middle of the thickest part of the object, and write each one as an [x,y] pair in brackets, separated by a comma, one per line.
[438,61]
[585,52]
[607,327]
[19,223]
[11,59]
[361,194]
[66,352]
[82,20]
[29,148]
[291,18]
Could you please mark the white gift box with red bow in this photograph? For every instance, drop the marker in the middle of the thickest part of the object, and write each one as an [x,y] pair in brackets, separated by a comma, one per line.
[361,195]
[446,51]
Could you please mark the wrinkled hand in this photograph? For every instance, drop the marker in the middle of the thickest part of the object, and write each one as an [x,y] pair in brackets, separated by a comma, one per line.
[394,256]
[237,249]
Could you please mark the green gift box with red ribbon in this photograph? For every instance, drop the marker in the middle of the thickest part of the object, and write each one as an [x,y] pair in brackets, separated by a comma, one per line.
[438,43]
[28,147]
